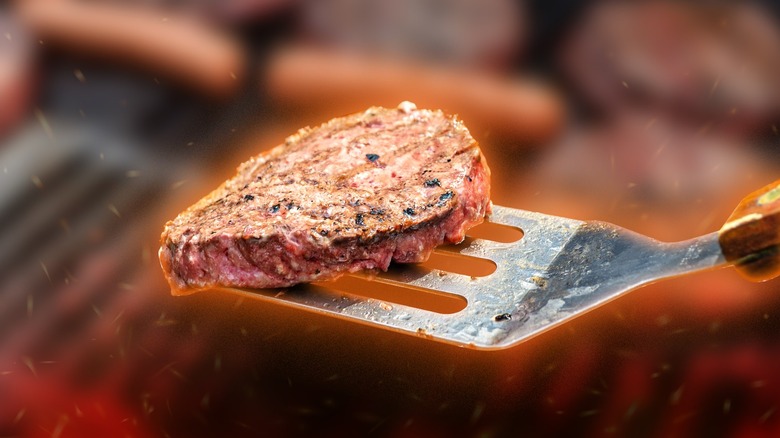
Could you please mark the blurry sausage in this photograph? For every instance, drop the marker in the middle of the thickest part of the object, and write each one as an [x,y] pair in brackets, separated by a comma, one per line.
[520,108]
[174,47]
[17,80]
[704,61]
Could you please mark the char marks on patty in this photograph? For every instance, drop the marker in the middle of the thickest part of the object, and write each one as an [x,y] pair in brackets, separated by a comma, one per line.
[351,194]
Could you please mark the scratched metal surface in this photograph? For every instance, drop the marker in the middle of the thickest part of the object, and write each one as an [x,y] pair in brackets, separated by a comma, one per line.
[559,269]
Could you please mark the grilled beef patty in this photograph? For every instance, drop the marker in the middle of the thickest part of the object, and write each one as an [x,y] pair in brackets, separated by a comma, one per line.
[354,193]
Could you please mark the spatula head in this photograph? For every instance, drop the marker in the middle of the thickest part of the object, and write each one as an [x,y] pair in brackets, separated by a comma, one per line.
[559,269]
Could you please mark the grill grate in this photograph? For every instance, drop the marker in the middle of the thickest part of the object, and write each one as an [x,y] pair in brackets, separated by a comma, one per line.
[74,275]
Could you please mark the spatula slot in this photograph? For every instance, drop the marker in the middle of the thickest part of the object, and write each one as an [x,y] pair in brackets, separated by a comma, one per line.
[496,232]
[447,258]
[392,293]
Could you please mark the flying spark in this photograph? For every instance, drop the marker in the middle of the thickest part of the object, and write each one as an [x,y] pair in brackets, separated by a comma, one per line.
[37,181]
[60,426]
[69,275]
[30,365]
[113,209]
[80,76]
[164,369]
[162,321]
[675,397]
[45,270]
[119,315]
[44,123]
[660,149]
[715,86]
[767,414]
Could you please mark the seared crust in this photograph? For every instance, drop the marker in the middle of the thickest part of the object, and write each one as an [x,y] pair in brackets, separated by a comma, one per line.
[353,193]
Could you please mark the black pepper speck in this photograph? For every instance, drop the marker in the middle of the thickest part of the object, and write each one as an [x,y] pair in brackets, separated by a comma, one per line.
[446,196]
[275,208]
[359,219]
[433,183]
[409,211]
[372,157]
[249,198]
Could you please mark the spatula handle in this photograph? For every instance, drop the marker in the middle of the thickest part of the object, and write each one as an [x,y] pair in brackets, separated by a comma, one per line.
[751,237]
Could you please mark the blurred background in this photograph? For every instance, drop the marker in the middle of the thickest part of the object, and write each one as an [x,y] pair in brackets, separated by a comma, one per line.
[655,115]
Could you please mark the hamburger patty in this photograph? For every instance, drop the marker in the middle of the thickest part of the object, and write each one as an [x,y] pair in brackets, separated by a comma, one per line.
[354,193]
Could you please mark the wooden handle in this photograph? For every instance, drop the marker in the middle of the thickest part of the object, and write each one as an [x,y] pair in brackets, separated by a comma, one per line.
[751,237]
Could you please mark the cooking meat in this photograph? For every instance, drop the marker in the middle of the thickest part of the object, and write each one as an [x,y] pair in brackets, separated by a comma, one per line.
[354,193]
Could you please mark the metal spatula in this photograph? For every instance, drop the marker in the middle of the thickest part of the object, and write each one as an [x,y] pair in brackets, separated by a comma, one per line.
[561,268]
